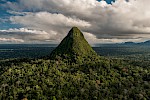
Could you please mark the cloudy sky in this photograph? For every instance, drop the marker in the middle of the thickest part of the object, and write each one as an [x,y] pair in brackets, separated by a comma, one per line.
[48,21]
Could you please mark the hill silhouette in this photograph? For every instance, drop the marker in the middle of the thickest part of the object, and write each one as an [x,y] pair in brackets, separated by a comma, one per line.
[146,42]
[72,46]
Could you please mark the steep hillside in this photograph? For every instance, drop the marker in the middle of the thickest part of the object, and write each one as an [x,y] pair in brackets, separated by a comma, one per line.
[74,45]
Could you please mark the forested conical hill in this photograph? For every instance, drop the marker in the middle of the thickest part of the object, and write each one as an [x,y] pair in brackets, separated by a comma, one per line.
[89,77]
[73,45]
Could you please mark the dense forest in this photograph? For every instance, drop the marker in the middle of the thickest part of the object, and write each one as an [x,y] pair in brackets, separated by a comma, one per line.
[58,79]
[77,73]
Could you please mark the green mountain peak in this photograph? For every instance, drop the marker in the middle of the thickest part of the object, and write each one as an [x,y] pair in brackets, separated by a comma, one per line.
[75,32]
[74,45]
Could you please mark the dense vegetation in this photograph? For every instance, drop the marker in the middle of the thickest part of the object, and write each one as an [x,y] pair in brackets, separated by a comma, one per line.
[56,79]
[138,55]
[73,45]
[74,75]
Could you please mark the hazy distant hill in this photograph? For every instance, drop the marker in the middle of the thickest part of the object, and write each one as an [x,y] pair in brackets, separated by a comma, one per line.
[145,43]
[141,43]
[129,43]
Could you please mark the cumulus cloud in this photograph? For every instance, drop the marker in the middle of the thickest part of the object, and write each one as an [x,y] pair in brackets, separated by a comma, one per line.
[28,35]
[45,18]
[11,40]
[101,22]
[54,25]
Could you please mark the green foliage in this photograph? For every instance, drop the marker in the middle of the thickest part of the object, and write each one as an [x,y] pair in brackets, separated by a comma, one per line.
[73,46]
[52,79]
[76,72]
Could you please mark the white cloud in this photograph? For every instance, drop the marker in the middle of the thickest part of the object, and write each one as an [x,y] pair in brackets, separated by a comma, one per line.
[45,18]
[54,25]
[100,21]
[28,35]
[11,40]
[24,30]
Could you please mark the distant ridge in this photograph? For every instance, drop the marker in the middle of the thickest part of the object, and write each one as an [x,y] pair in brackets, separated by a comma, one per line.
[141,43]
[146,42]
[129,43]
[74,45]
